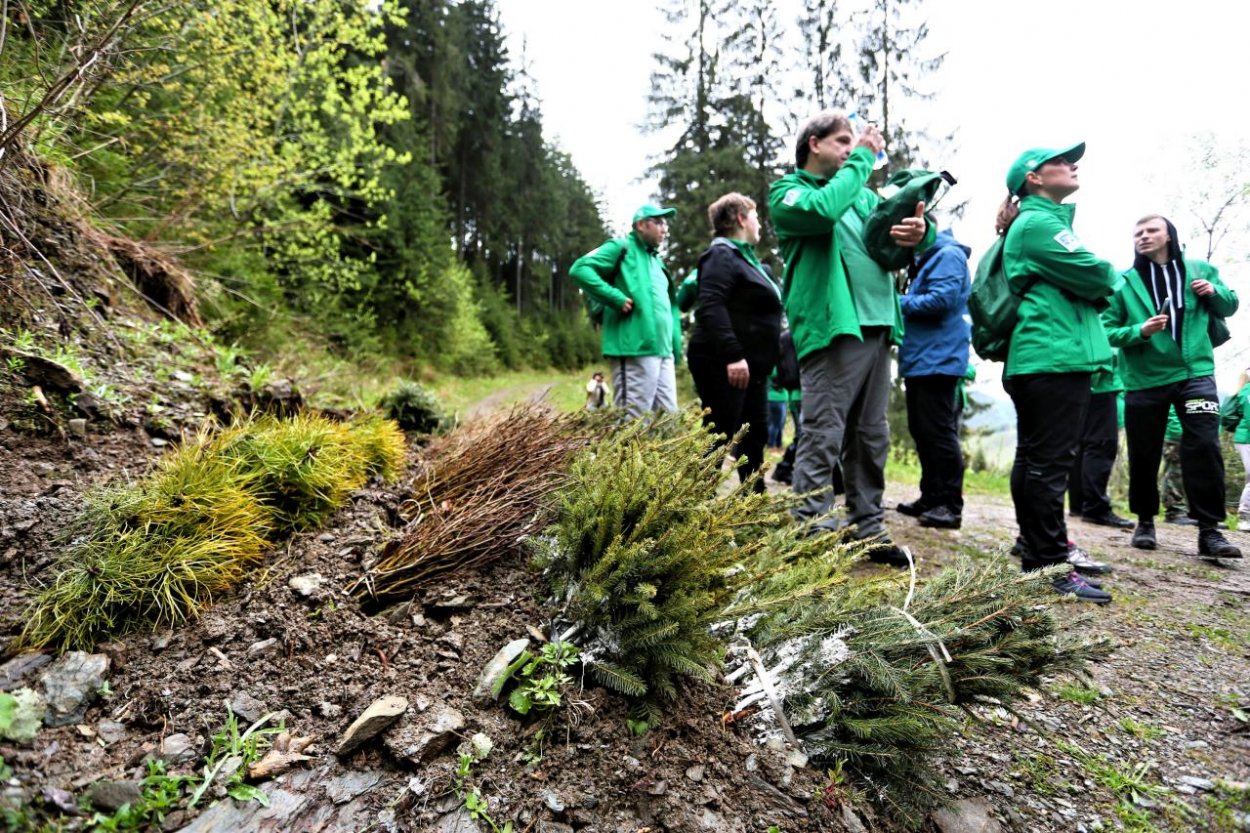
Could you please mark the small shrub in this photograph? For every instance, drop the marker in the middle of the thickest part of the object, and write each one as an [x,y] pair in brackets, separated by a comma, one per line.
[382,444]
[414,408]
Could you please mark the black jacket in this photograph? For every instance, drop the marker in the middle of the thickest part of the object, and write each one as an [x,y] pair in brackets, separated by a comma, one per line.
[739,311]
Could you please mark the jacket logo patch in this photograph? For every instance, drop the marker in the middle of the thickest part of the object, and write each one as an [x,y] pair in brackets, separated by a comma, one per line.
[1068,240]
[791,197]
[1201,406]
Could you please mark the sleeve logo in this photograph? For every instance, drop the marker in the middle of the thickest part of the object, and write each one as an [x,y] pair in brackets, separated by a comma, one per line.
[791,197]
[1068,240]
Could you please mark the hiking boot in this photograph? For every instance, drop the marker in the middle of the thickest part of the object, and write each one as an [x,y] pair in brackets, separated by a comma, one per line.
[885,551]
[783,473]
[940,517]
[914,509]
[1213,544]
[1144,535]
[1180,519]
[1019,548]
[1080,560]
[1108,518]
[1074,584]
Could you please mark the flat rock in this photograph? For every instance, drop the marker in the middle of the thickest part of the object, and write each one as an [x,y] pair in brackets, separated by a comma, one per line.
[380,714]
[971,815]
[177,748]
[494,670]
[12,672]
[306,585]
[1204,784]
[113,795]
[110,731]
[423,740]
[70,684]
[247,707]
[457,821]
[351,784]
[45,373]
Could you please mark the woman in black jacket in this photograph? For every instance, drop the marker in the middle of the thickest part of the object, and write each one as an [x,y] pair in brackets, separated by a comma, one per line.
[737,325]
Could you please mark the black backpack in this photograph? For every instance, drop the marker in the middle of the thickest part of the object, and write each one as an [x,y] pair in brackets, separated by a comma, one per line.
[787,373]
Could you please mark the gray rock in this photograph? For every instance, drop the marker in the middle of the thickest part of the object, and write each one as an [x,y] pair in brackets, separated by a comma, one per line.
[351,784]
[62,800]
[1197,783]
[695,773]
[262,647]
[658,788]
[421,741]
[851,821]
[328,709]
[553,827]
[247,707]
[457,821]
[380,714]
[77,427]
[796,759]
[113,795]
[159,442]
[553,802]
[12,672]
[1197,744]
[712,820]
[70,684]
[110,731]
[177,748]
[972,815]
[494,670]
[307,585]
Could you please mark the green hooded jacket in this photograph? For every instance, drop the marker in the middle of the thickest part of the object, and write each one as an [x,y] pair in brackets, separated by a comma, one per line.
[1235,416]
[1063,287]
[1159,360]
[810,216]
[651,328]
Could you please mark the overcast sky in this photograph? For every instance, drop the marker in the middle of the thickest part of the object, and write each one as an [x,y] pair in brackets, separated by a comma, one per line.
[1135,80]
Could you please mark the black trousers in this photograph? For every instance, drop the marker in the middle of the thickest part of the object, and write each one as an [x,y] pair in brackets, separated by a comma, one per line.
[933,420]
[1050,413]
[731,408]
[1100,440]
[1202,465]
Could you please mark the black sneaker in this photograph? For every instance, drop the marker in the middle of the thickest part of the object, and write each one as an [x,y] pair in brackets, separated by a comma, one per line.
[885,551]
[1213,544]
[1108,518]
[1074,584]
[940,517]
[1180,519]
[783,473]
[1080,560]
[914,509]
[1144,535]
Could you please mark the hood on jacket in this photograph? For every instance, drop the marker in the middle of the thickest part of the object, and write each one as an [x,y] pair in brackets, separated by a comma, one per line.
[1141,263]
[943,240]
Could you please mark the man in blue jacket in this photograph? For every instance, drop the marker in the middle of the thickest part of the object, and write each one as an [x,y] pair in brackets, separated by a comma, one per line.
[932,359]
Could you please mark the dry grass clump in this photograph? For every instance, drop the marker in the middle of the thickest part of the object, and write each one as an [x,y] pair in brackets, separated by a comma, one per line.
[480,489]
[156,552]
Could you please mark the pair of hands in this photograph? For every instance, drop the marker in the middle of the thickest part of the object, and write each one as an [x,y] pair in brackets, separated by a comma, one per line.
[1159,323]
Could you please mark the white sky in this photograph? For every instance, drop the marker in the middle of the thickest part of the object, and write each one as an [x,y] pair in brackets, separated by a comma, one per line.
[1134,80]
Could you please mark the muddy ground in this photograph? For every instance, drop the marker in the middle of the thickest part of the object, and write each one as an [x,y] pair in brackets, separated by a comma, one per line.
[1159,741]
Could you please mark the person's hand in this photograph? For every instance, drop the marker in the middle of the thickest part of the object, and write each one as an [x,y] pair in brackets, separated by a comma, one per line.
[627,307]
[739,374]
[872,139]
[910,232]
[1203,288]
[1154,324]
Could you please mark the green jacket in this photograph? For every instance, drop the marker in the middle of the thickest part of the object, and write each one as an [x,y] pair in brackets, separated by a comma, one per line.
[1063,287]
[1234,416]
[1159,360]
[809,216]
[651,327]
[1108,381]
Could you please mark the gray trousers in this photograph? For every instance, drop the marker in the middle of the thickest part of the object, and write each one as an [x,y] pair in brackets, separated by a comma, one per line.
[642,384]
[846,390]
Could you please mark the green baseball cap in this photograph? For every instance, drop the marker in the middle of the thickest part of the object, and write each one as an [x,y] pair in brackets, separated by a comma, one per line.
[651,210]
[1031,160]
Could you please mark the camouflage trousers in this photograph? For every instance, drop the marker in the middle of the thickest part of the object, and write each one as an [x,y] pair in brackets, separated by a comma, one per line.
[1171,489]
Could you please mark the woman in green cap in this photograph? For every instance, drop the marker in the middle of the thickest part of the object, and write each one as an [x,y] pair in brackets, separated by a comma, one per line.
[1057,345]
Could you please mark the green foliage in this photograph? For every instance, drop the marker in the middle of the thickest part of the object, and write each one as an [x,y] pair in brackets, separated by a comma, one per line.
[476,749]
[542,678]
[1080,694]
[414,408]
[240,750]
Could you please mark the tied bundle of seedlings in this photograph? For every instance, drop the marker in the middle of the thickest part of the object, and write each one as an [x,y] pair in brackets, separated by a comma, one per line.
[883,687]
[650,555]
[156,552]
[479,490]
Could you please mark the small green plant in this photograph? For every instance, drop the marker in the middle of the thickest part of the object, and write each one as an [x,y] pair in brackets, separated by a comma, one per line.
[259,377]
[241,749]
[1041,772]
[414,408]
[15,364]
[1141,731]
[476,749]
[542,677]
[1077,693]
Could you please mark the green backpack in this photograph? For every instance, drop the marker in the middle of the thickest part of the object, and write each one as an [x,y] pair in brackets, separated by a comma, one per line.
[594,309]
[993,306]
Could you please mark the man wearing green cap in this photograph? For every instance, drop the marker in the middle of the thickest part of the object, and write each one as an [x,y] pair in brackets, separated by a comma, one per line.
[627,279]
[1056,346]
[844,314]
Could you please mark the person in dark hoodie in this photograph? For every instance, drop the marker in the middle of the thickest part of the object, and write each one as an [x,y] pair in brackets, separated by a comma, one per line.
[1160,318]
[737,330]
[933,359]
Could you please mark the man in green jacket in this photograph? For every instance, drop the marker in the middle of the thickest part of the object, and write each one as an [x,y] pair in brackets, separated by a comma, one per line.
[641,329]
[844,314]
[1160,317]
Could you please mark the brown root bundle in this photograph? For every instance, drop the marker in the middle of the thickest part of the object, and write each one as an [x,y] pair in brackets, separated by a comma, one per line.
[158,277]
[481,489]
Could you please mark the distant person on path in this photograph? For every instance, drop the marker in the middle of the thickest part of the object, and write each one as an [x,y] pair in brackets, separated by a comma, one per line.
[932,360]
[1170,487]
[1160,318]
[596,392]
[735,343]
[1058,343]
[1095,458]
[843,310]
[1235,418]
[627,279]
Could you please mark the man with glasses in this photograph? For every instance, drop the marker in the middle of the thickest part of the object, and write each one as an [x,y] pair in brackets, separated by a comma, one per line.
[627,282]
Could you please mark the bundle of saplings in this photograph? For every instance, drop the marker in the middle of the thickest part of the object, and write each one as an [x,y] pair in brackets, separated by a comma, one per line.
[659,562]
[477,491]
[153,553]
